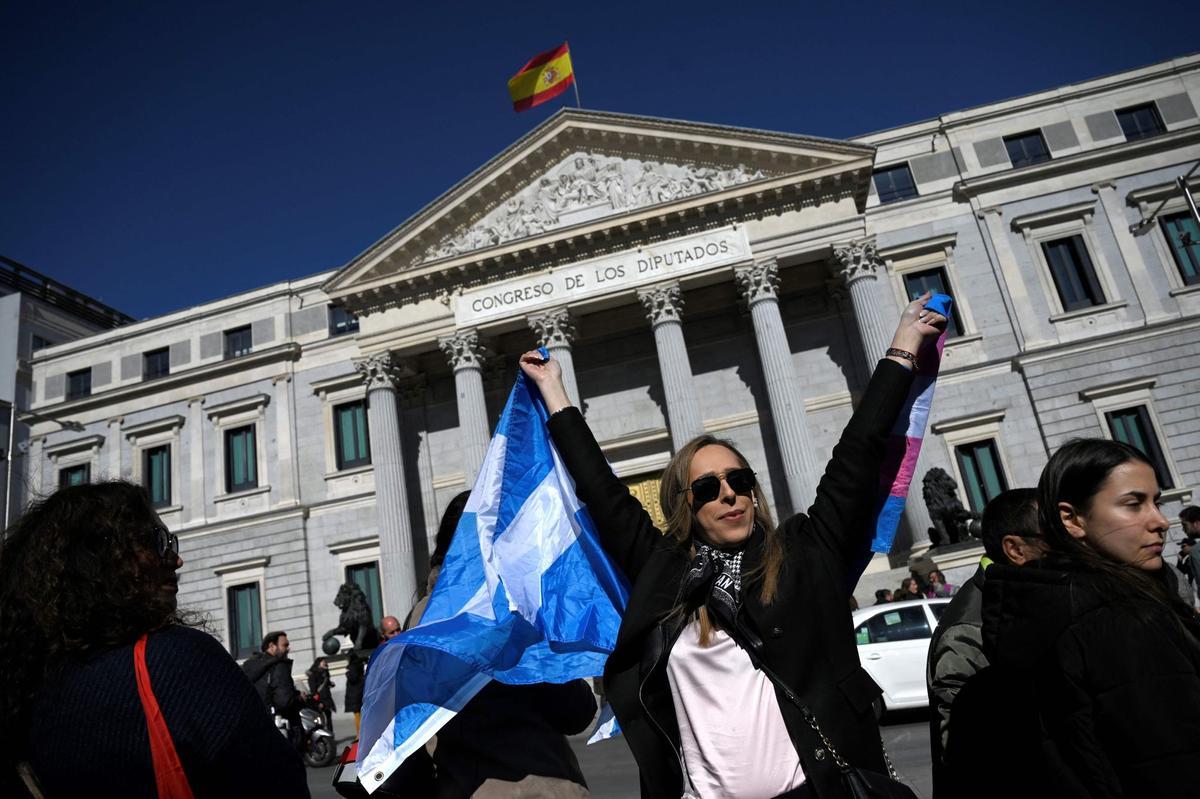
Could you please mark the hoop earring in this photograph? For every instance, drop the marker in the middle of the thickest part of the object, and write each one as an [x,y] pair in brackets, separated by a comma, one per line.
[756,503]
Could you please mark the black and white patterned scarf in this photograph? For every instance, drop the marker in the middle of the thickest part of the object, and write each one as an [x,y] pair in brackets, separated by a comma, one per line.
[714,579]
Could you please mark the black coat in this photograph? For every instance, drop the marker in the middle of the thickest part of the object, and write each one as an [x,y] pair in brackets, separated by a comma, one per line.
[88,733]
[807,631]
[1091,691]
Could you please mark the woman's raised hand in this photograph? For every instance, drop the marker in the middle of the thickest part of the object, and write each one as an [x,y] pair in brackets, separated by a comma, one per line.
[546,374]
[917,325]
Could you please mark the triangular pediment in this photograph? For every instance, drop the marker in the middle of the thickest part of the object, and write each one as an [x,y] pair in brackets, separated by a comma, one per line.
[581,171]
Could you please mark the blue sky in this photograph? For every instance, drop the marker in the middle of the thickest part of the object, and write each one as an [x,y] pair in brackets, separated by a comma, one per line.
[160,155]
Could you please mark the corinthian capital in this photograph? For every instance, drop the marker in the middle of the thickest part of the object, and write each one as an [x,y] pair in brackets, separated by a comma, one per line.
[381,370]
[554,328]
[463,350]
[759,281]
[857,260]
[663,303]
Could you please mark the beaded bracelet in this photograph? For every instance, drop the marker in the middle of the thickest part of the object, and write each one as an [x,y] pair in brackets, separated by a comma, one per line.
[905,354]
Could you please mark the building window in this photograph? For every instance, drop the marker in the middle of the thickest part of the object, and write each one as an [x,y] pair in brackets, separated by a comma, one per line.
[79,384]
[237,342]
[366,577]
[1133,427]
[894,183]
[341,321]
[156,474]
[351,440]
[1183,236]
[241,459]
[983,476]
[245,620]
[75,475]
[156,363]
[1140,122]
[917,283]
[1025,149]
[1074,277]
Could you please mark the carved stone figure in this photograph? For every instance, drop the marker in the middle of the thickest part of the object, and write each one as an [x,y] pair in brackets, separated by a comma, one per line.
[584,181]
[355,621]
[951,521]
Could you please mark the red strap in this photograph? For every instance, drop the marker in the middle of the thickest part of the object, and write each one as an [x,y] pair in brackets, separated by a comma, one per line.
[169,777]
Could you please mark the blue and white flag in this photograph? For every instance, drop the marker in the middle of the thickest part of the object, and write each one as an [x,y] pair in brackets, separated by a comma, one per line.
[526,595]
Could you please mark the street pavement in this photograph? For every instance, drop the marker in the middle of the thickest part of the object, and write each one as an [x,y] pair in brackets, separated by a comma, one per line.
[612,774]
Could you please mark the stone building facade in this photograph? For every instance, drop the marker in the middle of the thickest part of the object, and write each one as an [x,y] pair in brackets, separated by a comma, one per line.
[690,278]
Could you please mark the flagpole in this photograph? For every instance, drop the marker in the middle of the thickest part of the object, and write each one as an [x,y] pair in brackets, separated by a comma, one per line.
[574,80]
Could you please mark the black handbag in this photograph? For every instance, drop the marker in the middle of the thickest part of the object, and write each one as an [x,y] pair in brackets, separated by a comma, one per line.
[861,783]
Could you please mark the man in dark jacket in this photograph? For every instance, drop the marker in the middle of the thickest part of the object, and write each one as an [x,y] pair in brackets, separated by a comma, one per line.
[271,673]
[1010,536]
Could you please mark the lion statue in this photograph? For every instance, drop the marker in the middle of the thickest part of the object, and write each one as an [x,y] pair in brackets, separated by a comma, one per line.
[951,521]
[355,621]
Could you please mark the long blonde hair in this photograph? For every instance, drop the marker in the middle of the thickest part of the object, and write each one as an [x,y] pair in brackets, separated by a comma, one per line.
[682,525]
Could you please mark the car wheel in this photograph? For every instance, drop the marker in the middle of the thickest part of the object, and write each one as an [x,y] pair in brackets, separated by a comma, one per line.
[879,708]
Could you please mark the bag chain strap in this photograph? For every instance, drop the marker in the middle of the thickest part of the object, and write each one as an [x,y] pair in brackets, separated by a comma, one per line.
[838,760]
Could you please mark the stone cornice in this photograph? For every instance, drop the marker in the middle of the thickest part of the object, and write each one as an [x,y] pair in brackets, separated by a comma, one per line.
[1120,152]
[160,385]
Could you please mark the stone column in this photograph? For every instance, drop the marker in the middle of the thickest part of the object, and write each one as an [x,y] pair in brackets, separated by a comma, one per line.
[398,576]
[112,442]
[876,315]
[466,359]
[759,284]
[196,503]
[285,440]
[555,330]
[663,304]
[35,470]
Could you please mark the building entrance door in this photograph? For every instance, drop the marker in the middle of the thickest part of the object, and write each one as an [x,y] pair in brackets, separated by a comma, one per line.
[644,488]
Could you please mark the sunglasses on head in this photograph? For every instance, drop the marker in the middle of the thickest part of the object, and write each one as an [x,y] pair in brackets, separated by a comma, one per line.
[707,488]
[168,542]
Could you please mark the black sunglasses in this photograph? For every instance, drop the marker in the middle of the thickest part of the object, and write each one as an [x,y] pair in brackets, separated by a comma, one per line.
[707,488]
[168,542]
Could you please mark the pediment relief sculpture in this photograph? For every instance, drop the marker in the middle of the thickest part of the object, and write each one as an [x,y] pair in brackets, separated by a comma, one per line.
[587,186]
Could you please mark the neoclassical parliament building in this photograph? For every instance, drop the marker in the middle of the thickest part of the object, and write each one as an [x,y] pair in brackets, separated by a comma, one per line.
[689,277]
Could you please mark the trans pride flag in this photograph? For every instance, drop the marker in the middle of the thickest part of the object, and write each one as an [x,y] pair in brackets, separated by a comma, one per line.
[526,595]
[900,457]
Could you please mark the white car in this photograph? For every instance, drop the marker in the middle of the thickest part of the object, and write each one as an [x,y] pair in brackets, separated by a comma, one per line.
[893,645]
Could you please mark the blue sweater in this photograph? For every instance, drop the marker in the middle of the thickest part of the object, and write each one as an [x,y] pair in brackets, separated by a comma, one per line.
[88,734]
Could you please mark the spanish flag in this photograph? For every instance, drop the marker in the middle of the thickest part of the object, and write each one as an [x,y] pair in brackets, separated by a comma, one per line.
[546,76]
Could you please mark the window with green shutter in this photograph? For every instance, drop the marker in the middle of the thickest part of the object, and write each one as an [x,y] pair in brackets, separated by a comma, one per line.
[366,577]
[245,620]
[241,459]
[75,475]
[1133,427]
[351,439]
[982,473]
[156,474]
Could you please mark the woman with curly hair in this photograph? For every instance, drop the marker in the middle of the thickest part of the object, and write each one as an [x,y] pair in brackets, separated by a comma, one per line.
[88,583]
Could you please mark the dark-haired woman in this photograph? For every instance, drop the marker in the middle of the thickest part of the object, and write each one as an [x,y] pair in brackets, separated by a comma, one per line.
[320,687]
[1095,660]
[88,579]
[725,592]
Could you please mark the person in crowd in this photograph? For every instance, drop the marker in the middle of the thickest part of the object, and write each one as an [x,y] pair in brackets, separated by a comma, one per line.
[938,587]
[1010,536]
[1189,519]
[883,596]
[909,589]
[88,584]
[734,624]
[389,627]
[356,675]
[509,740]
[320,688]
[270,671]
[1094,674]
[1188,562]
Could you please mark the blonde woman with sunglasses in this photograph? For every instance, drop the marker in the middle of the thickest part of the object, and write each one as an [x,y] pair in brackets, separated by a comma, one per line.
[735,627]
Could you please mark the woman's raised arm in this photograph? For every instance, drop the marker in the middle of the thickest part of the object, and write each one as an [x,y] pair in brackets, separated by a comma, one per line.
[848,496]
[627,533]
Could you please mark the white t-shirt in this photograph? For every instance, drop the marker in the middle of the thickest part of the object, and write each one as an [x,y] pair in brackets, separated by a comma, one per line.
[735,743]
